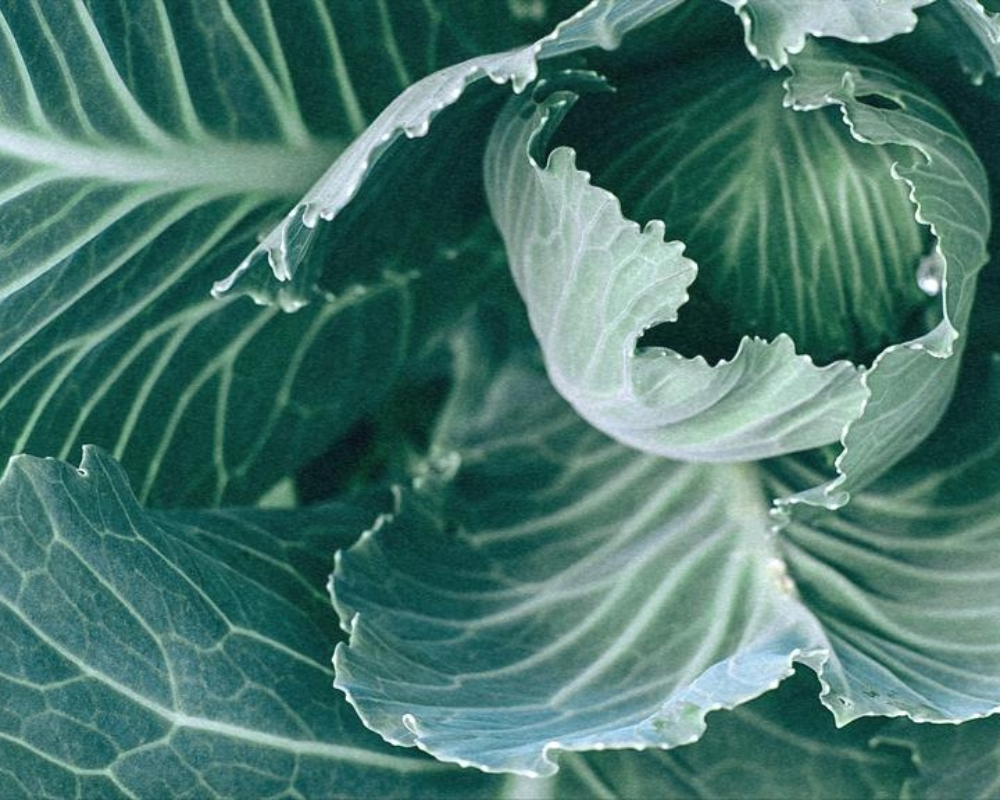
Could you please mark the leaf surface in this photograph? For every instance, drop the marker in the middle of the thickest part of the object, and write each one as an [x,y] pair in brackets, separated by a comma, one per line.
[973,33]
[902,578]
[775,29]
[177,653]
[952,762]
[910,383]
[144,147]
[782,746]
[593,281]
[542,588]
[601,23]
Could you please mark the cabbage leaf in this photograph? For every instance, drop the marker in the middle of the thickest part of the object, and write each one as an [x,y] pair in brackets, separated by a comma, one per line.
[176,653]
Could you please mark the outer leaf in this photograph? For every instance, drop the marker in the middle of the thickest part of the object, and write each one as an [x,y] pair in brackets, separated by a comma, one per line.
[774,29]
[593,282]
[560,592]
[175,654]
[903,579]
[782,746]
[911,383]
[143,147]
[601,23]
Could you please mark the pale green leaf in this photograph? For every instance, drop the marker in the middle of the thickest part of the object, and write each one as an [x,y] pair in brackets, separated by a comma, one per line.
[177,654]
[542,588]
[594,281]
[775,29]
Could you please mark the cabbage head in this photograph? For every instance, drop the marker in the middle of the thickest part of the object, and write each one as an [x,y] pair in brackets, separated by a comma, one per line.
[622,377]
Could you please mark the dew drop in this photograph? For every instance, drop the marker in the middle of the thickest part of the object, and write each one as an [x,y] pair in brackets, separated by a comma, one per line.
[930,274]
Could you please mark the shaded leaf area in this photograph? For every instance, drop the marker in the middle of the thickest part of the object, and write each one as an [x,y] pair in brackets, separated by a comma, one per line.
[176,654]
[911,383]
[782,746]
[951,762]
[783,210]
[278,270]
[903,578]
[541,588]
[143,149]
[972,33]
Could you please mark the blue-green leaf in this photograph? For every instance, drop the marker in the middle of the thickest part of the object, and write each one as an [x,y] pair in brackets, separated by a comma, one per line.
[782,746]
[912,382]
[952,762]
[144,147]
[973,33]
[602,23]
[176,654]
[903,578]
[541,588]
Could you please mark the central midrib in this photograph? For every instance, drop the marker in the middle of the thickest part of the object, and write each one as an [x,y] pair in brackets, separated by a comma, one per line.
[225,167]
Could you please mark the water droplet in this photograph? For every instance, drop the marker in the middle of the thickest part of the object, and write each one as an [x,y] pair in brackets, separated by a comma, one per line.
[930,274]
[779,573]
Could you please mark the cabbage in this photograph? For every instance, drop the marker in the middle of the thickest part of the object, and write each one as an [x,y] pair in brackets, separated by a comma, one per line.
[621,377]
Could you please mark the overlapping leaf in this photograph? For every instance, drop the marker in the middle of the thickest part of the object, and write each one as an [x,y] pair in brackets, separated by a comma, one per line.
[783,746]
[775,29]
[593,282]
[903,578]
[187,653]
[910,383]
[176,654]
[951,762]
[973,33]
[143,148]
[560,591]
[796,227]
[602,23]
[541,588]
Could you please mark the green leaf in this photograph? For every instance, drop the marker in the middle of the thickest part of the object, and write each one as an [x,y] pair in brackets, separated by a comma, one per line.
[602,23]
[143,149]
[952,761]
[782,746]
[775,29]
[973,33]
[797,228]
[593,281]
[911,383]
[542,588]
[177,653]
[903,578]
